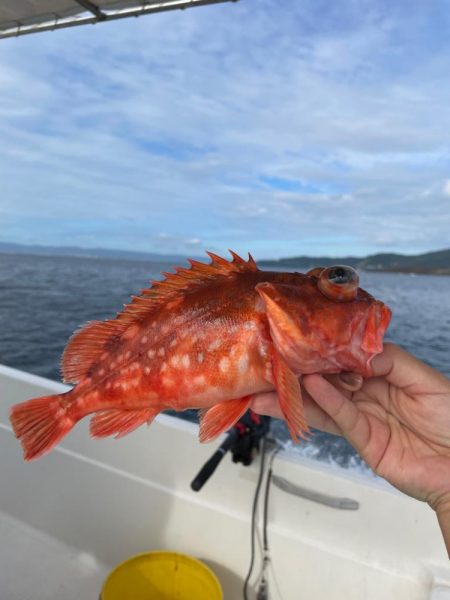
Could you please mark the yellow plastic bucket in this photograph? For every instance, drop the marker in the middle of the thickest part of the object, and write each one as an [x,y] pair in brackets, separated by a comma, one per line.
[161,576]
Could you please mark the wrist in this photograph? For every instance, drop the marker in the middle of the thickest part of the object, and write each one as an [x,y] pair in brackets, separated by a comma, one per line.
[443,516]
[441,504]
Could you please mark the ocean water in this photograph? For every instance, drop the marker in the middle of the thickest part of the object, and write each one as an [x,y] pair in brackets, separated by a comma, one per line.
[44,299]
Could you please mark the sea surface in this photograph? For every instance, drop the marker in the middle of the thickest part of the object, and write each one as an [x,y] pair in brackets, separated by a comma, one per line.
[44,299]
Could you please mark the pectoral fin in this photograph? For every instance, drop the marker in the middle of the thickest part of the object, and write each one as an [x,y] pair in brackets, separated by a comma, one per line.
[290,397]
[220,417]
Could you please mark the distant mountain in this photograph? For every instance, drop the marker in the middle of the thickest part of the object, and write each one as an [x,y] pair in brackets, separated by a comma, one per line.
[10,248]
[437,263]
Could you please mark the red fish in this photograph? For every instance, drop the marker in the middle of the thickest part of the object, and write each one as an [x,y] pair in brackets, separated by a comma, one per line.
[209,337]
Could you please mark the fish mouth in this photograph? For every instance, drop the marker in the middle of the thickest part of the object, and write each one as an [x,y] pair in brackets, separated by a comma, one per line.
[378,319]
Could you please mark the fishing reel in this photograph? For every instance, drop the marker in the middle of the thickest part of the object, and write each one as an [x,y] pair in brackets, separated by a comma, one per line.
[243,441]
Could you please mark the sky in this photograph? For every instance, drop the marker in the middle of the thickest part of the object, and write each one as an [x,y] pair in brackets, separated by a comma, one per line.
[276,127]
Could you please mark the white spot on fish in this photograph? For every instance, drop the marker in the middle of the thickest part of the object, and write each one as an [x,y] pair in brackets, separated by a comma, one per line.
[144,339]
[61,411]
[163,367]
[168,381]
[199,380]
[112,366]
[120,358]
[173,343]
[104,356]
[175,360]
[150,353]
[161,352]
[185,361]
[224,364]
[134,366]
[243,363]
[249,325]
[215,344]
[101,372]
[124,385]
[147,370]
[200,357]
[128,354]
[108,385]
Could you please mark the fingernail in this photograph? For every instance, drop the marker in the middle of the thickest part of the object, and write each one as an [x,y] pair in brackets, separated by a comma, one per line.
[353,380]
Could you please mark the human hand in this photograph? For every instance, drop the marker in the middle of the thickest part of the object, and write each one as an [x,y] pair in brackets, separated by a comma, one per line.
[398,420]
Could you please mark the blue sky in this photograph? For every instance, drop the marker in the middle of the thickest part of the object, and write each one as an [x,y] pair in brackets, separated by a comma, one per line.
[279,128]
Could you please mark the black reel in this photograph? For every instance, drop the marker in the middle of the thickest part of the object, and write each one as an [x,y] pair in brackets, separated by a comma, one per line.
[242,440]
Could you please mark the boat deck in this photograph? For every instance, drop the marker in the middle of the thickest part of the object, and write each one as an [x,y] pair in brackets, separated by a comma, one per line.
[90,504]
[36,566]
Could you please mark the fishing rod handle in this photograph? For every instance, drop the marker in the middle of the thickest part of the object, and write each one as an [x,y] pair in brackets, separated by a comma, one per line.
[211,465]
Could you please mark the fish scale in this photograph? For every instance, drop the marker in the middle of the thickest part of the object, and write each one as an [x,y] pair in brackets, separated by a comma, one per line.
[210,337]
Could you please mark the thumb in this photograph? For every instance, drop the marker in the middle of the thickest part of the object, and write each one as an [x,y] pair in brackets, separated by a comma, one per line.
[347,380]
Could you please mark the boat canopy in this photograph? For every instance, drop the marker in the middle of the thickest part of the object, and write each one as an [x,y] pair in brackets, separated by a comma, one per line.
[20,17]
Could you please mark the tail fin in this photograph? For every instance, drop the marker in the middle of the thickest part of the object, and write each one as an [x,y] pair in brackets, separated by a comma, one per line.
[40,424]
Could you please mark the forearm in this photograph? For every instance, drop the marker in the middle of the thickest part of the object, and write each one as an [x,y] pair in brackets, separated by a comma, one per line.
[443,515]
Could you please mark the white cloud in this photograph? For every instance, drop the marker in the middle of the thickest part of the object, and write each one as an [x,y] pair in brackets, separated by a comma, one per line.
[446,188]
[166,124]
[192,242]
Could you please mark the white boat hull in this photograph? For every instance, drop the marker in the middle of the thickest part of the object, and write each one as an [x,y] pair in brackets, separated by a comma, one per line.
[91,504]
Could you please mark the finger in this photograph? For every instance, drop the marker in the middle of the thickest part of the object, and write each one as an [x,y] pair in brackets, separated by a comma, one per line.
[317,417]
[342,411]
[406,371]
[347,380]
[267,404]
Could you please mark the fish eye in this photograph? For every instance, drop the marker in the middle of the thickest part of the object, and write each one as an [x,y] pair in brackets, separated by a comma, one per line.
[339,283]
[341,275]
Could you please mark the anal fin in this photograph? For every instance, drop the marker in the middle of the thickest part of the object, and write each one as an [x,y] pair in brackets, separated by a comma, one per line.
[220,417]
[119,422]
[290,397]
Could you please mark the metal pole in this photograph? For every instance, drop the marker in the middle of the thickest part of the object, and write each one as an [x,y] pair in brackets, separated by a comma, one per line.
[62,23]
